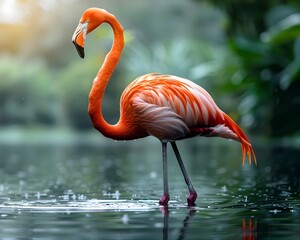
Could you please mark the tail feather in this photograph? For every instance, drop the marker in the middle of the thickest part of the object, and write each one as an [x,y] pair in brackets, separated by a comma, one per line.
[246,146]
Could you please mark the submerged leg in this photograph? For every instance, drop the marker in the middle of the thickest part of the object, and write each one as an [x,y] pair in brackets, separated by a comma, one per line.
[165,198]
[193,195]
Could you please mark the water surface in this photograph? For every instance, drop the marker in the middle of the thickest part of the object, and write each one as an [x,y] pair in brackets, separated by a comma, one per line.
[111,190]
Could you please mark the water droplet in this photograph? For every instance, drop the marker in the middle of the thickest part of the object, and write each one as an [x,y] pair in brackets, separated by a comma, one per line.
[275,211]
[153,175]
[125,219]
[74,197]
[158,225]
[116,195]
[223,189]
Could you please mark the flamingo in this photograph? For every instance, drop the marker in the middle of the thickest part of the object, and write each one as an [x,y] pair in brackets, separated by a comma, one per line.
[167,107]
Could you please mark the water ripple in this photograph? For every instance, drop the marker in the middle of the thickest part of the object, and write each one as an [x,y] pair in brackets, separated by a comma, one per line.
[85,206]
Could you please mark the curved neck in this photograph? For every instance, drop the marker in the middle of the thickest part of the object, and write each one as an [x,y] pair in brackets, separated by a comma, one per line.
[101,81]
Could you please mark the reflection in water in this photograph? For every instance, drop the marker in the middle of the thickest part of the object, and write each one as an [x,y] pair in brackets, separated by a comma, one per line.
[185,223]
[248,226]
[249,229]
[191,213]
[165,211]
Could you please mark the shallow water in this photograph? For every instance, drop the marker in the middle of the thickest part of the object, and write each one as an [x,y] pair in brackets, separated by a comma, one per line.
[111,191]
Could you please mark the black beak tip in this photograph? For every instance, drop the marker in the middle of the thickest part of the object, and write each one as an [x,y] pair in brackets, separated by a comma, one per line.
[80,50]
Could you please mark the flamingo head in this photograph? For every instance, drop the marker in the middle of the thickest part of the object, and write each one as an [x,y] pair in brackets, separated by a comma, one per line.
[90,20]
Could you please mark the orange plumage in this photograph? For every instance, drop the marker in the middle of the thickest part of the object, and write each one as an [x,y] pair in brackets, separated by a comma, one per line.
[167,107]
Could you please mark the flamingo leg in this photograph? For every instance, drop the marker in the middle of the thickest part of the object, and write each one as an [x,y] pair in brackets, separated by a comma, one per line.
[165,198]
[193,194]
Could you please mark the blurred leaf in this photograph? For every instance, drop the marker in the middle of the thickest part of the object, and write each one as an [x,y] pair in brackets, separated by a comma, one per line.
[284,31]
[249,50]
[128,36]
[278,13]
[297,49]
[204,70]
[292,71]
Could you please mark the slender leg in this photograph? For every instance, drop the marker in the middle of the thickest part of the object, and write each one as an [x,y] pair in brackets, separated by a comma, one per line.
[193,195]
[165,198]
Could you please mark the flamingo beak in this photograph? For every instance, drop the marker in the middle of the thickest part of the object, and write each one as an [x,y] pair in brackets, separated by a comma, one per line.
[79,37]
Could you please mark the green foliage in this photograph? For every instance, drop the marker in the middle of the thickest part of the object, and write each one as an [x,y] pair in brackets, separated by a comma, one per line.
[255,77]
[184,58]
[27,93]
[74,83]
[264,63]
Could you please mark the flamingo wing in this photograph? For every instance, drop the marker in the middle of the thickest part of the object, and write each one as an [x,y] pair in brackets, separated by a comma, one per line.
[169,107]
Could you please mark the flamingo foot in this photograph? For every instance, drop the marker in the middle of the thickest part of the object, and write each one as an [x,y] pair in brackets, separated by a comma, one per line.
[164,200]
[191,199]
